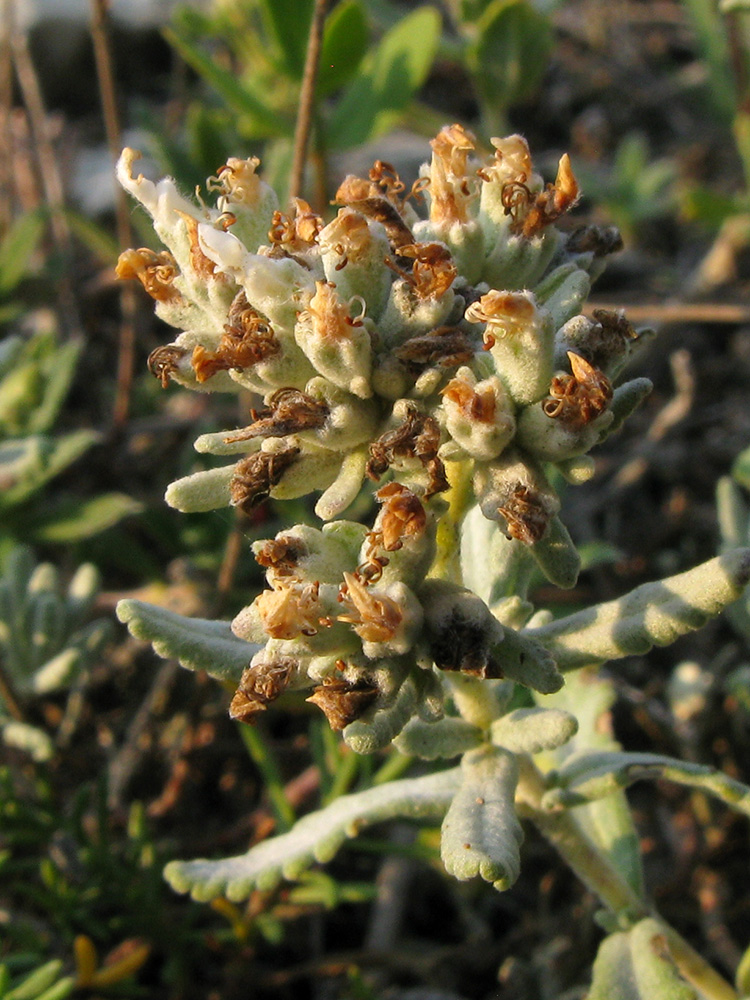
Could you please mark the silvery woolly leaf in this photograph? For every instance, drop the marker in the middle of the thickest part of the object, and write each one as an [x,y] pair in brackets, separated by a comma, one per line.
[530,730]
[637,965]
[316,837]
[198,643]
[652,614]
[481,834]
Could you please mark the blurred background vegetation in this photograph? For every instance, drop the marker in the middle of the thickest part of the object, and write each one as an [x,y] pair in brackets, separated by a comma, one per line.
[112,762]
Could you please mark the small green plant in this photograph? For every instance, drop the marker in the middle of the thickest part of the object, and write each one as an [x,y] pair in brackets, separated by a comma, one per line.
[36,374]
[46,641]
[444,357]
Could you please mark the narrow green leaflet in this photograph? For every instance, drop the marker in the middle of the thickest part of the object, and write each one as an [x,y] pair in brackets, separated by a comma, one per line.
[481,834]
[316,837]
[71,520]
[387,82]
[636,965]
[198,643]
[589,776]
[654,614]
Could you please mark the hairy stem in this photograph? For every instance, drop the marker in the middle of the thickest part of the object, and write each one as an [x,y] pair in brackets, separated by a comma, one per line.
[600,877]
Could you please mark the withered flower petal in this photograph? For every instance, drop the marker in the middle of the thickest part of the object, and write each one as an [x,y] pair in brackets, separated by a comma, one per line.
[259,685]
[342,702]
[289,411]
[526,513]
[164,361]
[578,399]
[255,477]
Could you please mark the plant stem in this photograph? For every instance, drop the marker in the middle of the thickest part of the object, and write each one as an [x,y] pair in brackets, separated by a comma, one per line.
[599,876]
[307,99]
[447,564]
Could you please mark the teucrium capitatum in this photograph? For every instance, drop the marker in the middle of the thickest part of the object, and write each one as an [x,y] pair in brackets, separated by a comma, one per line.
[446,359]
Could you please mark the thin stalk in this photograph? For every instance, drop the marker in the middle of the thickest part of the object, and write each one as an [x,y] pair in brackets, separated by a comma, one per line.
[266,763]
[307,99]
[128,298]
[49,172]
[600,877]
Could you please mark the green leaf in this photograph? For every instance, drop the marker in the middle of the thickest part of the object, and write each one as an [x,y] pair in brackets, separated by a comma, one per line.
[637,965]
[288,23]
[345,40]
[389,78]
[741,468]
[265,120]
[652,614]
[511,52]
[17,248]
[481,834]
[198,643]
[316,837]
[28,463]
[590,775]
[59,370]
[73,520]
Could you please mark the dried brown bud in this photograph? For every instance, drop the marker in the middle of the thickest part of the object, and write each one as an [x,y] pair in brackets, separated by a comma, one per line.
[527,514]
[295,235]
[155,271]
[164,361]
[255,477]
[342,702]
[417,437]
[237,181]
[368,198]
[289,411]
[259,685]
[444,347]
[578,399]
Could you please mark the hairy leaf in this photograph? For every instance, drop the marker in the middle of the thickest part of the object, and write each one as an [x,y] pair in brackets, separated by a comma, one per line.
[198,643]
[316,837]
[636,965]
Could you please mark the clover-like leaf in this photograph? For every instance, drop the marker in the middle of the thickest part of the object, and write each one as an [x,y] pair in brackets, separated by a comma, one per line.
[316,837]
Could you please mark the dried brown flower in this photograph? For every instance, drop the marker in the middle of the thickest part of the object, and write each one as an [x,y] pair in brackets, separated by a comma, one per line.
[155,271]
[255,477]
[289,411]
[281,554]
[290,609]
[343,702]
[402,516]
[247,339]
[477,404]
[432,272]
[526,513]
[444,347]
[575,400]
[417,437]
[164,361]
[548,206]
[375,617]
[259,686]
